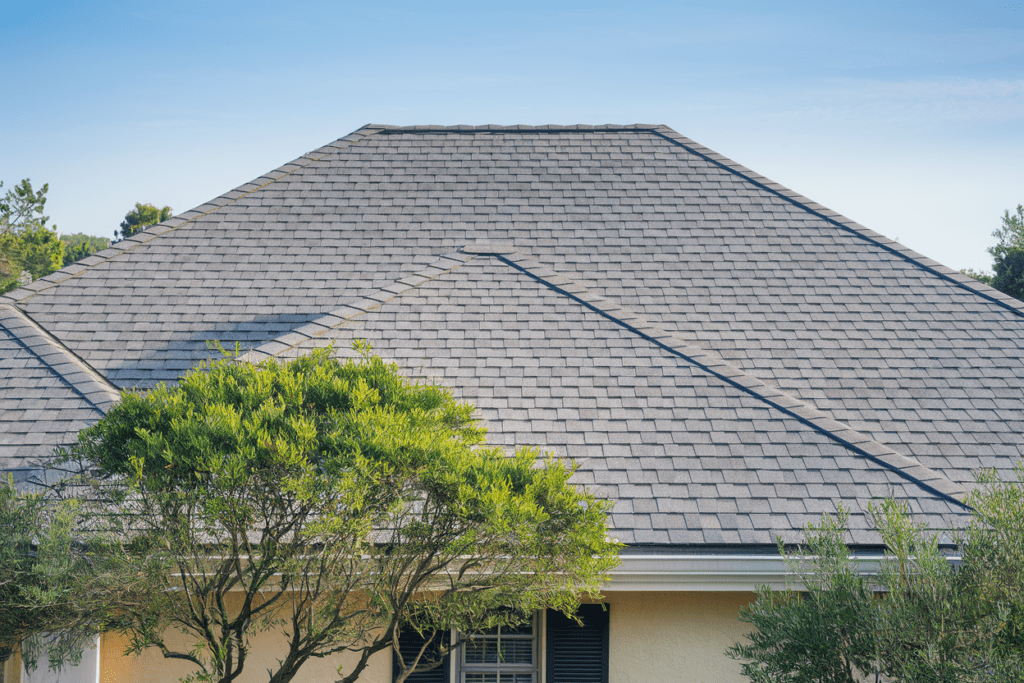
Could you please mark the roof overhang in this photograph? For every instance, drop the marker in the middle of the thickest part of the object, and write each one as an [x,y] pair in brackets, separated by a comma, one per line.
[725,572]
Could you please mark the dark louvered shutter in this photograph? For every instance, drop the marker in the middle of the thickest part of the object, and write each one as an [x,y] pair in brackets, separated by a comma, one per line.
[410,642]
[578,654]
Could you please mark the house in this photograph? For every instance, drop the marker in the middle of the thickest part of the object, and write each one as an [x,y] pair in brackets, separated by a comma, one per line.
[725,359]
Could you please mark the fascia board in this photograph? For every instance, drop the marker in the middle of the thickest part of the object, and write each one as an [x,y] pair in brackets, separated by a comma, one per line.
[711,573]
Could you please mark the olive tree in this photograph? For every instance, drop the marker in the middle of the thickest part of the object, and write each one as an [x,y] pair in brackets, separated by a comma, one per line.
[46,607]
[928,616]
[824,633]
[333,502]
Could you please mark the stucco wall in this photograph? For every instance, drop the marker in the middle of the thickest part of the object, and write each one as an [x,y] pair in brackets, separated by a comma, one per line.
[267,648]
[83,672]
[12,668]
[657,637]
[675,637]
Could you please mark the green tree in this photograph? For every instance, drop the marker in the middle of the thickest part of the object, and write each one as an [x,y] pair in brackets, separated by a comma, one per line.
[333,501]
[930,621]
[44,578]
[979,275]
[822,634]
[26,242]
[935,628]
[80,245]
[141,217]
[1007,255]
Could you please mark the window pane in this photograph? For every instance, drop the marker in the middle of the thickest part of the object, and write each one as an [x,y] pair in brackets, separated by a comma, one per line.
[503,656]
[482,651]
[517,650]
[516,678]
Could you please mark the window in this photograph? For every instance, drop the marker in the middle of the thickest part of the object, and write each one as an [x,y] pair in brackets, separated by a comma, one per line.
[505,655]
[572,652]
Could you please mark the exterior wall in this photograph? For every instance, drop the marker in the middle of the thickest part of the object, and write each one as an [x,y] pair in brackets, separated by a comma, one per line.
[655,637]
[678,637]
[12,668]
[85,672]
[267,648]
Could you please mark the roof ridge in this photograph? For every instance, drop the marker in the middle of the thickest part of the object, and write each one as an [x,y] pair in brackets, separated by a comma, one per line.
[315,328]
[544,128]
[83,379]
[175,222]
[944,272]
[928,479]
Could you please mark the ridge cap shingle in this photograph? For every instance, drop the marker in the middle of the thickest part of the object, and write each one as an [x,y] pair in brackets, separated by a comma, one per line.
[944,272]
[85,380]
[485,128]
[354,308]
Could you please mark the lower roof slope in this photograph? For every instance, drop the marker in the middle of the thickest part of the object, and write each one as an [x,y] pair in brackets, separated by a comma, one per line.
[687,458]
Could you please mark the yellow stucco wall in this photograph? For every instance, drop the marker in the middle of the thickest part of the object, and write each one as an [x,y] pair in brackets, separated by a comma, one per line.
[674,637]
[12,668]
[656,637]
[267,648]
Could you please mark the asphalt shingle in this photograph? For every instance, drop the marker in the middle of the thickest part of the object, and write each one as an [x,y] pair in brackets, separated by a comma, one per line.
[648,402]
[46,395]
[773,293]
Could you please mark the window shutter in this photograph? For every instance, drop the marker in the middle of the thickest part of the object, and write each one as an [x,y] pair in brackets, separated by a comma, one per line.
[410,642]
[578,654]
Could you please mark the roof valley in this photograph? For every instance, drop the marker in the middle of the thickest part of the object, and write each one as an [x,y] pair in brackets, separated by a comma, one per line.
[708,361]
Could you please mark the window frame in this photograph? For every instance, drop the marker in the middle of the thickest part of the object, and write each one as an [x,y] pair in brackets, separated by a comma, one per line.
[535,669]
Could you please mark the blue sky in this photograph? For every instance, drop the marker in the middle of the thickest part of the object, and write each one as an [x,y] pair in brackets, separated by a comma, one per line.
[907,117]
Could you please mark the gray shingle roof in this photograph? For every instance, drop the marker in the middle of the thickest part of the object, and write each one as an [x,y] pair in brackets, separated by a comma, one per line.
[46,394]
[898,363]
[688,452]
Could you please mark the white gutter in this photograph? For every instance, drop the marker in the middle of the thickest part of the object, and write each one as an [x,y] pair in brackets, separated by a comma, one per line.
[709,573]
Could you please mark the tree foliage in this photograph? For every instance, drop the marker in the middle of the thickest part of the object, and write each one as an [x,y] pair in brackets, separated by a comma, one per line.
[922,619]
[80,245]
[936,625]
[1007,255]
[334,501]
[27,244]
[44,579]
[823,634]
[141,217]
